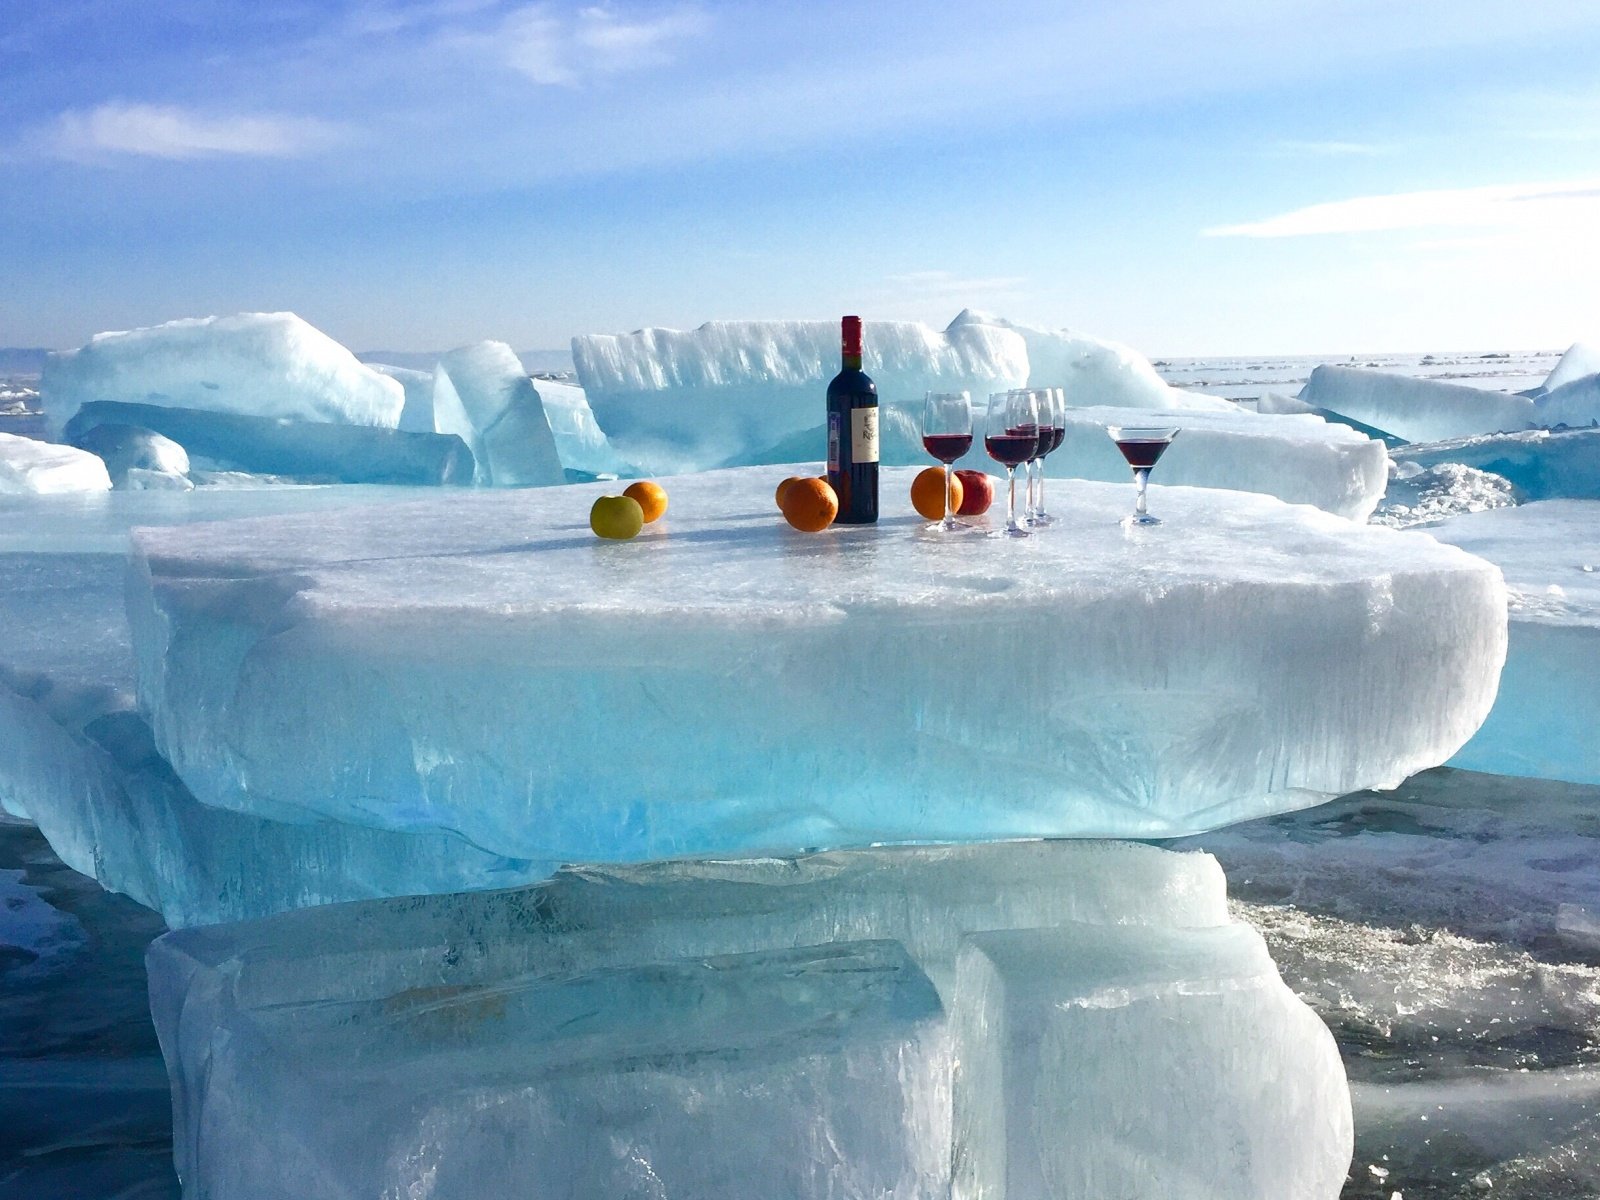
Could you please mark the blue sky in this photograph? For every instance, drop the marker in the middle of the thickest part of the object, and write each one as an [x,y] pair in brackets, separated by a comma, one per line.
[1235,176]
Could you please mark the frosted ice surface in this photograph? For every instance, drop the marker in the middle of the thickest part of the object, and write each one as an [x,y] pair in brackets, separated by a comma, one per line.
[257,364]
[1093,371]
[482,395]
[790,1026]
[499,672]
[316,451]
[1301,459]
[417,416]
[45,468]
[1544,719]
[1419,410]
[1541,464]
[673,400]
[1576,404]
[1581,359]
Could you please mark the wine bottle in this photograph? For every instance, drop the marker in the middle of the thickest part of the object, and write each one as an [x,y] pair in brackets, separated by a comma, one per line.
[853,433]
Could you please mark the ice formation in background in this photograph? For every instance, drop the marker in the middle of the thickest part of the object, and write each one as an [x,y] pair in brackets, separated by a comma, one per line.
[44,468]
[254,364]
[127,449]
[1420,495]
[1419,410]
[496,673]
[845,1025]
[675,401]
[316,451]
[417,416]
[483,396]
[1540,464]
[1544,719]
[582,445]
[1576,404]
[1580,360]
[1093,371]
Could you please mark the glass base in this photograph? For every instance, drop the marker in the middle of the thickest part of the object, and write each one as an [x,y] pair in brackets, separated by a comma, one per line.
[1009,531]
[950,525]
[1039,520]
[1141,519]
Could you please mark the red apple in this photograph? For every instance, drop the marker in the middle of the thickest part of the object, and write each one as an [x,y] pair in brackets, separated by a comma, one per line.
[977,494]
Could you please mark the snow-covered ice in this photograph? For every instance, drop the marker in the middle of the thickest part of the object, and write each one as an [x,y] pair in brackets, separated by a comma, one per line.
[674,400]
[483,396]
[46,468]
[853,1024]
[1544,719]
[256,364]
[314,451]
[1300,459]
[499,672]
[1419,410]
[1541,464]
[1581,359]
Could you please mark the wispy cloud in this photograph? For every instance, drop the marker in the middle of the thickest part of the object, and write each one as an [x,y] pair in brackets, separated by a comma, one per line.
[167,131]
[553,47]
[1500,205]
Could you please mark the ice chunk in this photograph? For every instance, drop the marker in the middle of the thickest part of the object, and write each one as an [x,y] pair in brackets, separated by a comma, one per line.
[1276,404]
[417,416]
[254,364]
[1419,410]
[794,1026]
[580,442]
[126,448]
[1544,718]
[483,396]
[496,672]
[1539,463]
[1581,359]
[1093,371]
[310,450]
[44,468]
[1576,404]
[1421,495]
[674,400]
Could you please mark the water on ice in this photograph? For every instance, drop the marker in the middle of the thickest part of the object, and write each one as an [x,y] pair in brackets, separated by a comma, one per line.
[254,364]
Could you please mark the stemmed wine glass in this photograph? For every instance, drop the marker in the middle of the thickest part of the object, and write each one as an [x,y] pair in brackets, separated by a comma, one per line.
[1142,446]
[947,435]
[1011,436]
[1052,432]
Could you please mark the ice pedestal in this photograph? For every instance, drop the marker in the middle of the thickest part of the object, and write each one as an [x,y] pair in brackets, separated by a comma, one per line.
[854,1024]
[1544,719]
[499,672]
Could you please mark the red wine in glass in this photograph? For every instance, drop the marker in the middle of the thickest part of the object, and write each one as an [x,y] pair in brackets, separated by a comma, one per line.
[1143,448]
[1012,449]
[947,447]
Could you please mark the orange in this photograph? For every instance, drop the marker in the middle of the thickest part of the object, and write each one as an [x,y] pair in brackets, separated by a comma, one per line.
[927,493]
[652,498]
[810,505]
[783,488]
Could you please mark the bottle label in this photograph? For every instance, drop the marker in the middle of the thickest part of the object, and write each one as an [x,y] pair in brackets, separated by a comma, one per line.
[864,434]
[833,443]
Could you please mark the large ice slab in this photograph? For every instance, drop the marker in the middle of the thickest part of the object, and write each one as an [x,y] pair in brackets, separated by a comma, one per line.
[483,396]
[1575,404]
[255,364]
[1419,410]
[725,684]
[1544,719]
[846,1025]
[46,468]
[673,400]
[317,451]
[1301,459]
[1542,464]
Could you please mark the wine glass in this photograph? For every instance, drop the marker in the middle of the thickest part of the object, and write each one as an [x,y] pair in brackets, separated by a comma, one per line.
[947,435]
[1052,431]
[1011,436]
[1142,446]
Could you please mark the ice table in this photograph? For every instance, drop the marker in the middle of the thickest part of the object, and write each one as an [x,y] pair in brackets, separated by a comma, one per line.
[724,684]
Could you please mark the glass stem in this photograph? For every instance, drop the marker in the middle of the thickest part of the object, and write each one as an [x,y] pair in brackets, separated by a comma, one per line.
[1040,508]
[1029,510]
[1141,476]
[1011,498]
[948,519]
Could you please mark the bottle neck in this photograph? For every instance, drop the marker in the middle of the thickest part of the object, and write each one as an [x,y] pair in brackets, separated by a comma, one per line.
[852,362]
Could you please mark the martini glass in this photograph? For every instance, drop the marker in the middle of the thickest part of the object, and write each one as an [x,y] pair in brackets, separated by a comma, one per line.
[947,435]
[1011,436]
[1142,446]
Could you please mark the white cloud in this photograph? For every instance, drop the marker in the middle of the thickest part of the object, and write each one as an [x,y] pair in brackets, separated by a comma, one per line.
[556,48]
[1331,149]
[1516,205]
[167,131]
